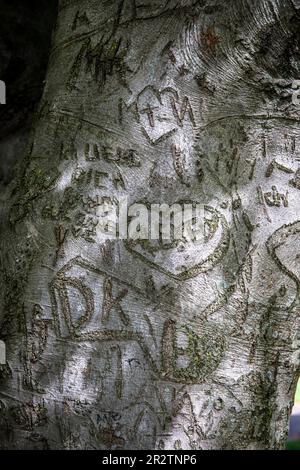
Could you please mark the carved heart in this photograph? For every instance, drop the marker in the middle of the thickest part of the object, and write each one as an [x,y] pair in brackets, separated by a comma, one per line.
[183,260]
[162,113]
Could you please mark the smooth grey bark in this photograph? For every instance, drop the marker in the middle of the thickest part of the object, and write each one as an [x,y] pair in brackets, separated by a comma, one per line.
[25,41]
[121,346]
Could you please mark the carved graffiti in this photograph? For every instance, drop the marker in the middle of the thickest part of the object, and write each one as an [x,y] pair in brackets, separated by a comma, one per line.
[179,162]
[101,61]
[94,310]
[127,157]
[274,164]
[67,152]
[60,236]
[160,113]
[189,363]
[35,342]
[29,415]
[295,182]
[38,334]
[276,199]
[99,179]
[110,302]
[286,240]
[81,19]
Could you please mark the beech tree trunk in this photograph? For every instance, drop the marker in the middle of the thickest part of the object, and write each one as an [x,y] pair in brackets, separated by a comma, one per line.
[121,345]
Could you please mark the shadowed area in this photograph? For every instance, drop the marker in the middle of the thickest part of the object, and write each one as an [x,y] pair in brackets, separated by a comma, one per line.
[25,40]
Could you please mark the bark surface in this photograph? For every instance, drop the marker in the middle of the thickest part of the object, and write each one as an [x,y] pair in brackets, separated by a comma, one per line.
[119,345]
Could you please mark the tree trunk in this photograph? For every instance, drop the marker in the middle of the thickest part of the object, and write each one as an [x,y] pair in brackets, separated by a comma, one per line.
[124,345]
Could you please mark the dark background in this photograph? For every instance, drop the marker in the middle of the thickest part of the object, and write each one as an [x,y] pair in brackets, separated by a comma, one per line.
[25,39]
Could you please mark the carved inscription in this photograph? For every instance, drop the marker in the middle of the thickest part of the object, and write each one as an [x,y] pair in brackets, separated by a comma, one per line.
[127,157]
[175,261]
[160,113]
[100,60]
[275,199]
[92,308]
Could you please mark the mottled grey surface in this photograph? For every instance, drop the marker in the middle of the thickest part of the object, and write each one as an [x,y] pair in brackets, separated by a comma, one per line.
[131,345]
